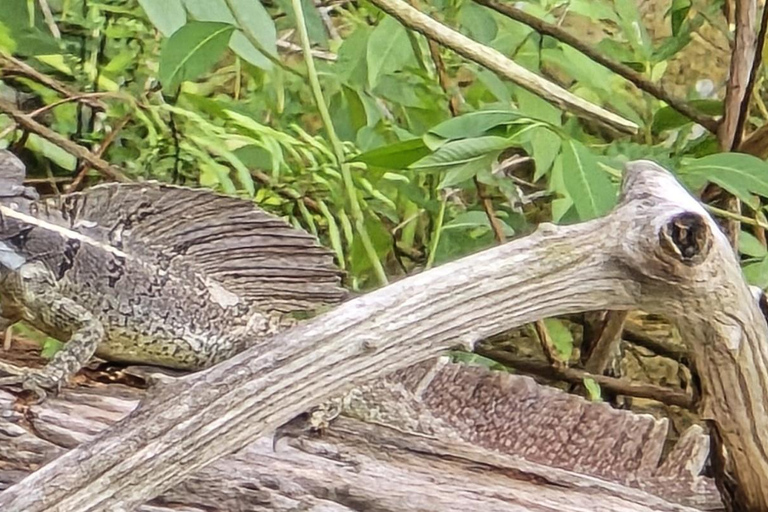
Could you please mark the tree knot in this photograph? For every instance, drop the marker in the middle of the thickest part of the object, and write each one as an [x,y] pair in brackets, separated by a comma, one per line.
[687,238]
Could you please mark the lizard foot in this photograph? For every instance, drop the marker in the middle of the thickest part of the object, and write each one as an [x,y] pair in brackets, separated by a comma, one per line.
[39,382]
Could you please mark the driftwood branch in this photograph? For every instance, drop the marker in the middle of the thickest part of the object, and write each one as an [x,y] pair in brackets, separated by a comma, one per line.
[408,452]
[642,83]
[664,254]
[498,63]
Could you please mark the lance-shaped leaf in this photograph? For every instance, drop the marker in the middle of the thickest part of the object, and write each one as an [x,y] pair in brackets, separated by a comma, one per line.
[192,50]
[740,174]
[588,186]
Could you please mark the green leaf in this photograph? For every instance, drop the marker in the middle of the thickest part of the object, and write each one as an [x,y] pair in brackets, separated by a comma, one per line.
[546,146]
[395,156]
[756,274]
[588,186]
[51,151]
[461,152]
[466,170]
[7,42]
[475,124]
[561,337]
[741,175]
[478,22]
[388,50]
[192,50]
[751,246]
[351,66]
[666,118]
[475,219]
[255,20]
[167,16]
[594,392]
[315,26]
[678,12]
[50,348]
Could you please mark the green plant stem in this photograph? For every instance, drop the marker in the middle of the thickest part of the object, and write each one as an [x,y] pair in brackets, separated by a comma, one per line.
[438,231]
[735,216]
[338,148]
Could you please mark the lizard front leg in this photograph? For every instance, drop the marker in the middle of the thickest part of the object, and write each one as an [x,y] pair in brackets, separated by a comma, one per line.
[44,306]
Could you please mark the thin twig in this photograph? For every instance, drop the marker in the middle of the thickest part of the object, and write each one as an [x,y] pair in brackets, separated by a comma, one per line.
[85,166]
[643,83]
[11,64]
[757,59]
[605,348]
[70,99]
[735,216]
[618,386]
[48,16]
[67,145]
[742,59]
[500,64]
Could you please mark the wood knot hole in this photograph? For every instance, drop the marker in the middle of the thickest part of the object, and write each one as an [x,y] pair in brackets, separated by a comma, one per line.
[686,237]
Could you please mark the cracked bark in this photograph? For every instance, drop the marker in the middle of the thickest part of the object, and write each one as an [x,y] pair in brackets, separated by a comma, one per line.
[665,255]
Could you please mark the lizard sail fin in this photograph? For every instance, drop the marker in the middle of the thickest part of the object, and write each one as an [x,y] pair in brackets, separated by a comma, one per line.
[240,251]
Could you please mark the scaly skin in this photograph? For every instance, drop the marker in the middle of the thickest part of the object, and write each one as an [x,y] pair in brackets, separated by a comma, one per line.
[151,274]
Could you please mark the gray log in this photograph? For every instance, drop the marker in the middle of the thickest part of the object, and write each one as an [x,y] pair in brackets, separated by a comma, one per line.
[658,250]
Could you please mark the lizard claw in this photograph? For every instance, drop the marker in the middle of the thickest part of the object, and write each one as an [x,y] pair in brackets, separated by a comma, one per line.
[39,382]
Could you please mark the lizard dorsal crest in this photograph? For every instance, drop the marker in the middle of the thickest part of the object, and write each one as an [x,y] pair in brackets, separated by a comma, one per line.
[237,250]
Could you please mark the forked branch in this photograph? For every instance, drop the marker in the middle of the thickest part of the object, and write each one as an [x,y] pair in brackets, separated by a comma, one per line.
[663,254]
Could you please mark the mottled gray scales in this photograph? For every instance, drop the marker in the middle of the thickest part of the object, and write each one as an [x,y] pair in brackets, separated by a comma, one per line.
[261,258]
[153,274]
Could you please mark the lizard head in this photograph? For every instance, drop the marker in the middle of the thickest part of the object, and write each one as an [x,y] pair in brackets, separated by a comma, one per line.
[12,172]
[14,195]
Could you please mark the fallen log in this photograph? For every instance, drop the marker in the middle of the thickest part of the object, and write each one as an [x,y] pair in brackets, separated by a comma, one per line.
[658,250]
[537,447]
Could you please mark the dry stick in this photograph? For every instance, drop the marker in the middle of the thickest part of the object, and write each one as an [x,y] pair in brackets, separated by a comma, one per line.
[85,166]
[756,143]
[668,256]
[620,387]
[607,344]
[69,99]
[643,83]
[67,145]
[658,346]
[498,63]
[757,59]
[741,63]
[30,72]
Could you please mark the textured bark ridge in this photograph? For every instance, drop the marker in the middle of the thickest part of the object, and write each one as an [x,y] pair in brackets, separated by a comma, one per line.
[658,250]
[394,450]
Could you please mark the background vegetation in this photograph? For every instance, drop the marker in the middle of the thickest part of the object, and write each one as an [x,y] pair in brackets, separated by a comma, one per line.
[422,155]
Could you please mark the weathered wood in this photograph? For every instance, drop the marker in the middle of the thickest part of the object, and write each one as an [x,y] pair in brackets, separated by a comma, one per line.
[658,250]
[504,414]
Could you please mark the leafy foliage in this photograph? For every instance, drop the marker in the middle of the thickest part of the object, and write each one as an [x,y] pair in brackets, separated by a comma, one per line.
[211,92]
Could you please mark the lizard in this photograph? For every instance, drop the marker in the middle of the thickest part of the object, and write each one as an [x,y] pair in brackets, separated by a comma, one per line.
[150,273]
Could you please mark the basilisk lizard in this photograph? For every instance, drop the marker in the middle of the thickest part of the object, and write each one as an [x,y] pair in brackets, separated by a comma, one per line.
[149,273]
